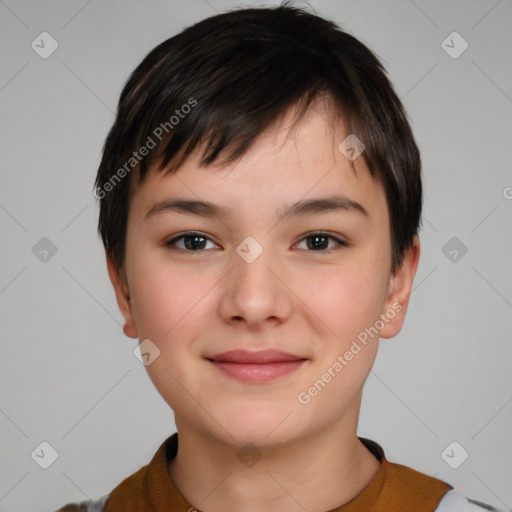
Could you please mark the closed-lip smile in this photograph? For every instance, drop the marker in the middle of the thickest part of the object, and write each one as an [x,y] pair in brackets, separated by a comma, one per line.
[259,357]
[256,366]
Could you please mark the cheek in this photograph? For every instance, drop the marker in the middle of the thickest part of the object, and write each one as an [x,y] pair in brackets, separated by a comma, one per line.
[349,304]
[164,298]
[167,309]
[346,299]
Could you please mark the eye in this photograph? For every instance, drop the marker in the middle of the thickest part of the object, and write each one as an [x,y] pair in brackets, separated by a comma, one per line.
[193,241]
[320,241]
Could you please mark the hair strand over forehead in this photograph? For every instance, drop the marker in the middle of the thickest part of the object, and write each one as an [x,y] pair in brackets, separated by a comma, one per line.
[219,84]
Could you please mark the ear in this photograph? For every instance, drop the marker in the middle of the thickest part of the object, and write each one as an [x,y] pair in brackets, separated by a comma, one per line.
[399,291]
[122,290]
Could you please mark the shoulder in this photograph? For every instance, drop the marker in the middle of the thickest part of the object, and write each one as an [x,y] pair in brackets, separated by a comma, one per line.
[86,506]
[134,488]
[454,502]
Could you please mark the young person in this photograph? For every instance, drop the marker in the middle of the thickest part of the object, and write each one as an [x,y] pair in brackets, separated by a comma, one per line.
[260,198]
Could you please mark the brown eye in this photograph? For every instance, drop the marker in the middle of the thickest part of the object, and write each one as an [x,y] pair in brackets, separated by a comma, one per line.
[192,241]
[320,241]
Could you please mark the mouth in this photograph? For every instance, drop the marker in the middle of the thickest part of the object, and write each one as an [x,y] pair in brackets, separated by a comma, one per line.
[262,366]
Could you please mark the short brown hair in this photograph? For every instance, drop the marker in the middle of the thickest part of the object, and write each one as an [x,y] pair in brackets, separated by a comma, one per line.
[223,81]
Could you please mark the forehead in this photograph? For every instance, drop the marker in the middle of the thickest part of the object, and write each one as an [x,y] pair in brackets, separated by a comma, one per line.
[288,162]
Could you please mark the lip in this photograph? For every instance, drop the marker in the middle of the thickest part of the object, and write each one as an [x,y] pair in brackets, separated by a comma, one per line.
[261,366]
[259,357]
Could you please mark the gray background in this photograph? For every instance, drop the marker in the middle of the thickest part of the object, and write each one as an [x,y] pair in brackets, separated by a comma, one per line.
[69,376]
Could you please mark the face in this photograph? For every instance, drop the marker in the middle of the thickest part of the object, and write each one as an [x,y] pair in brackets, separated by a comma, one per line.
[257,274]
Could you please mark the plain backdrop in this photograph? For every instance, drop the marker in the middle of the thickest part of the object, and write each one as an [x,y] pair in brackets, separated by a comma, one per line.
[68,374]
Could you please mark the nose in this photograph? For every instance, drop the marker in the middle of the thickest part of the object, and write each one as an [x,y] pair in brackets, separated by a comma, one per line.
[255,292]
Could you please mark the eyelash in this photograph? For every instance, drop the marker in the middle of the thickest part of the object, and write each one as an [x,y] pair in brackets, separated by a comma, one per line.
[171,244]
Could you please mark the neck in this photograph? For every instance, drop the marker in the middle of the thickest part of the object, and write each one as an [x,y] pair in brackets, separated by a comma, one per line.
[316,473]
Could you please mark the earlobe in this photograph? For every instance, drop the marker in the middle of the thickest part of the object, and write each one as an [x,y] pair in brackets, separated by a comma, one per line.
[122,292]
[400,287]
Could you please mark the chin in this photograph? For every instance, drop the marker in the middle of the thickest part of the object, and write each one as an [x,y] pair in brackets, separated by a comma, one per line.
[263,426]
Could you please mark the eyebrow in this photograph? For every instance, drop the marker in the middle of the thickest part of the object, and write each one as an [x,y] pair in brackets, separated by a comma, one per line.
[301,208]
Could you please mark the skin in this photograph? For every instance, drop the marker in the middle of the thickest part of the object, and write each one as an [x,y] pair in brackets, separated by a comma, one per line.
[293,298]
